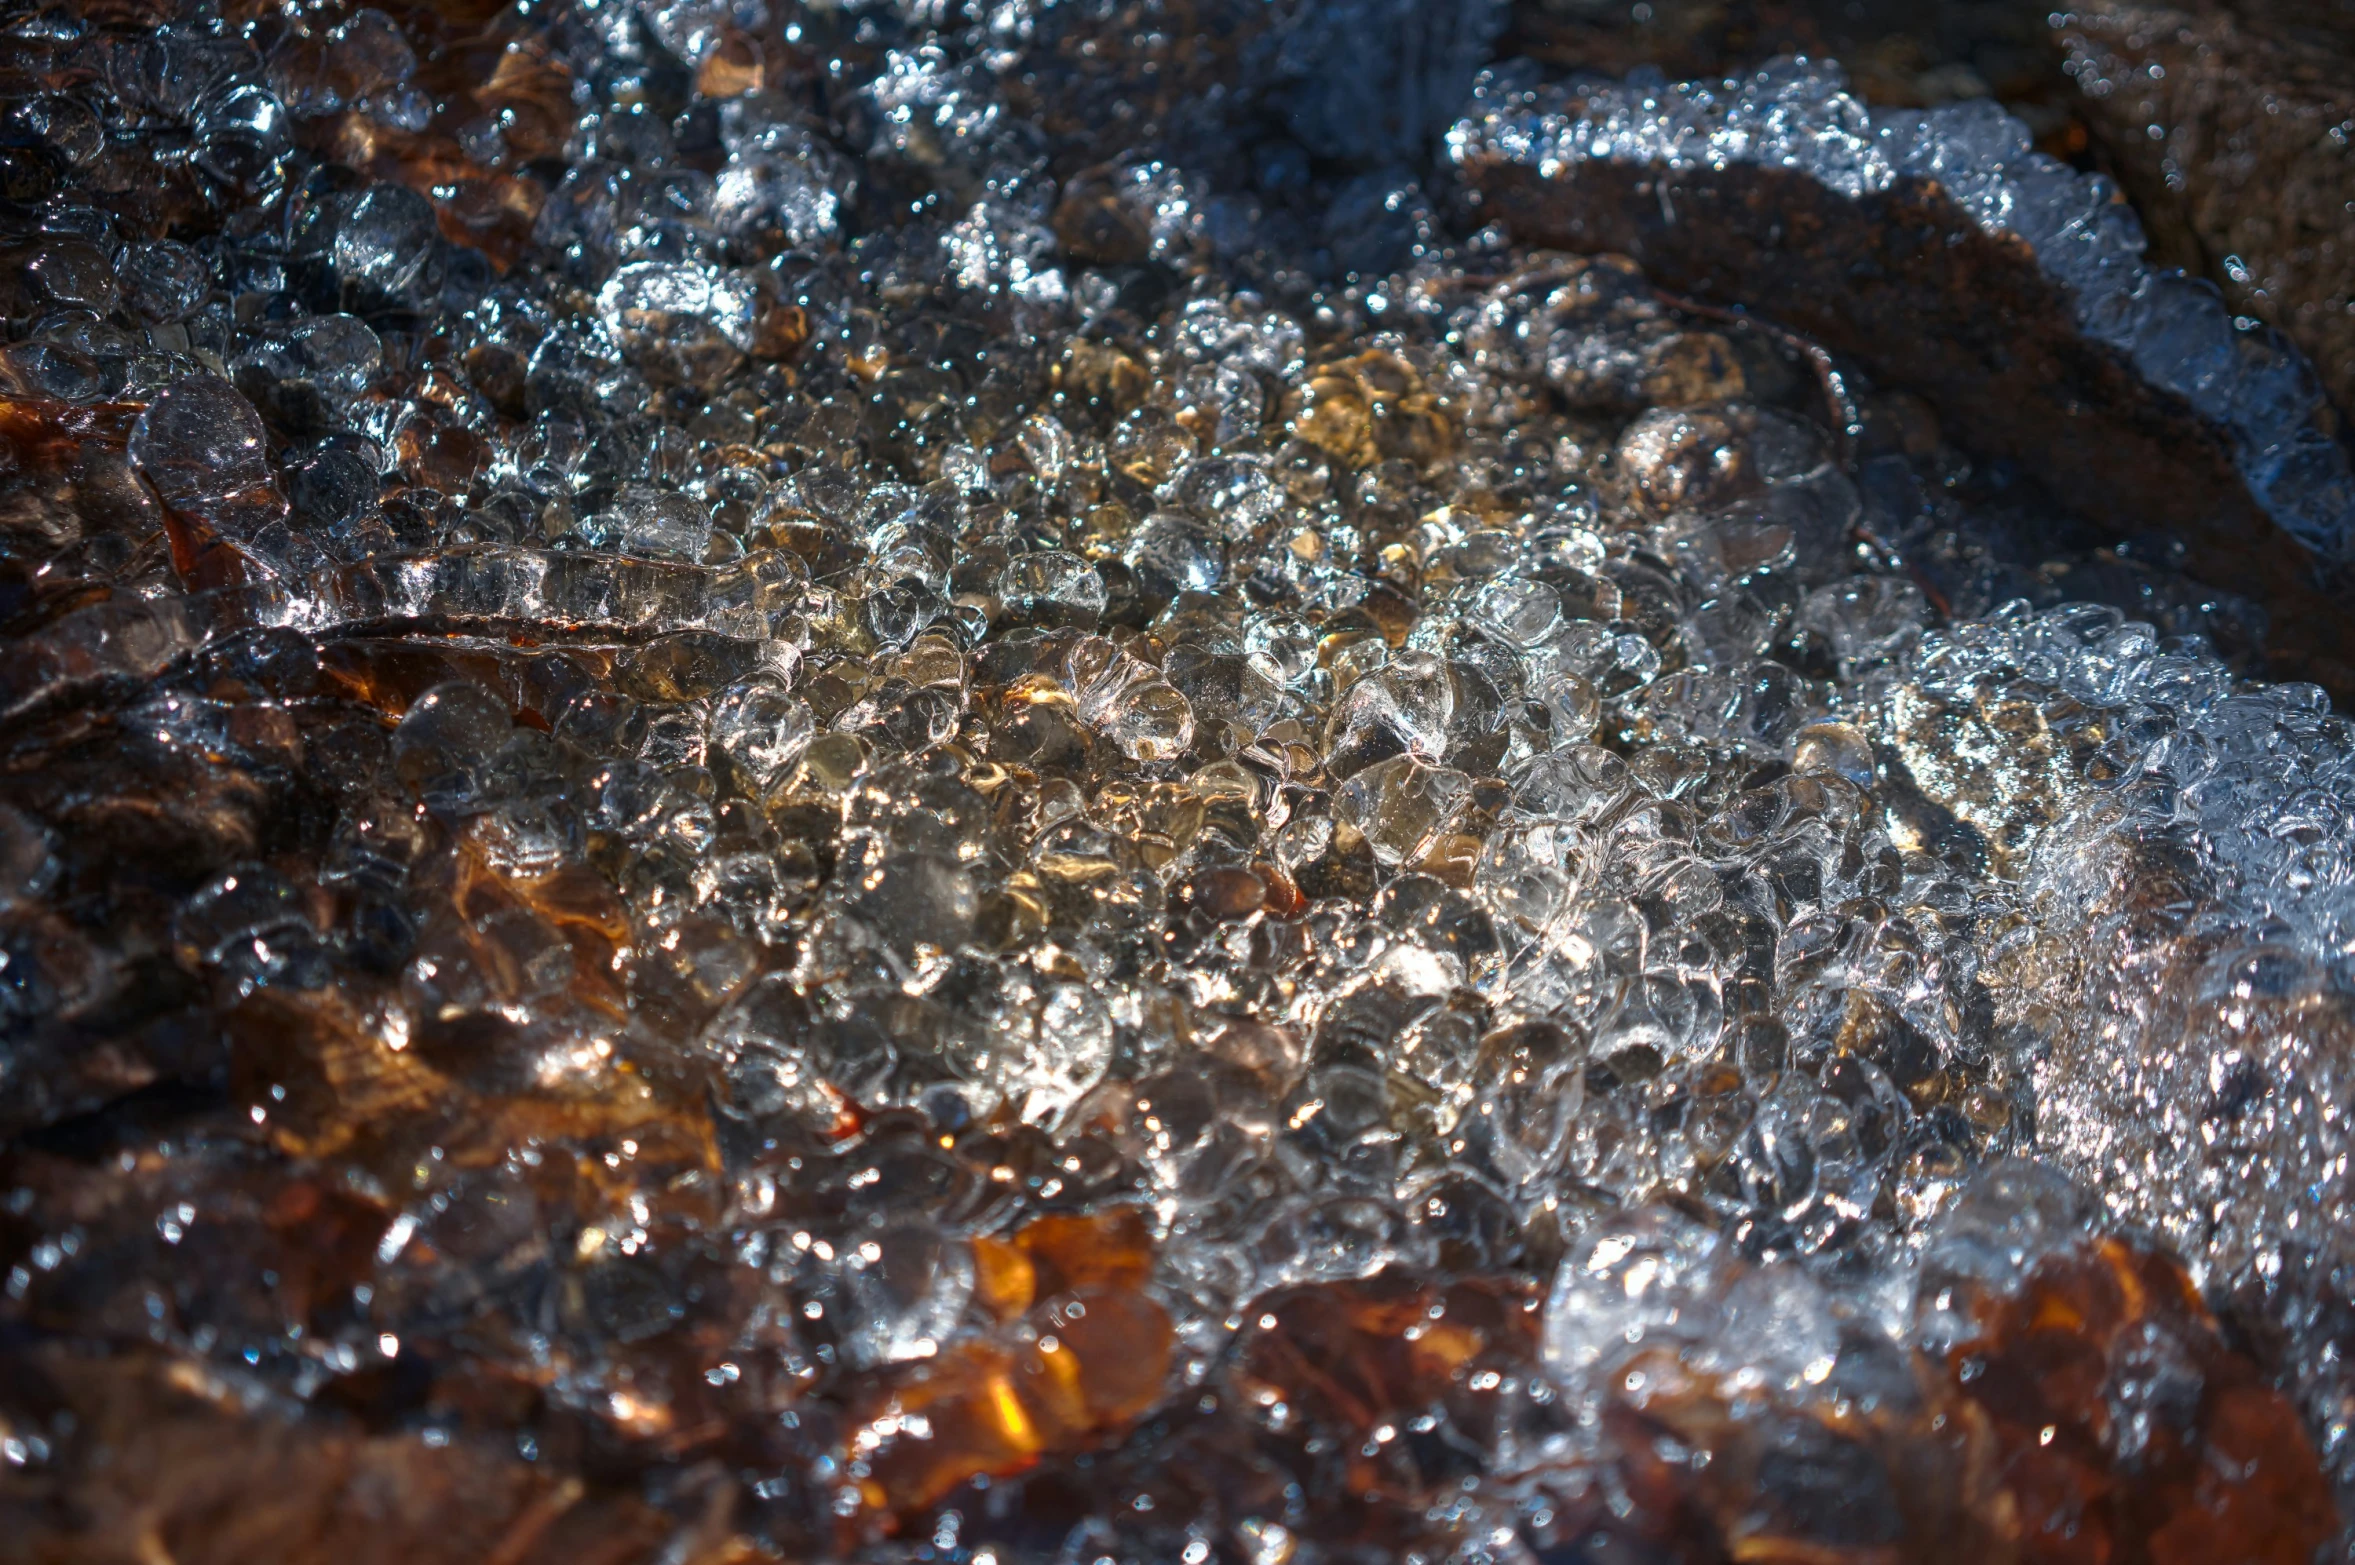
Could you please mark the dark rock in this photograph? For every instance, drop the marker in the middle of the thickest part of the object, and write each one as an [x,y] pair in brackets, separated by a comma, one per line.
[2233,127]
[1908,286]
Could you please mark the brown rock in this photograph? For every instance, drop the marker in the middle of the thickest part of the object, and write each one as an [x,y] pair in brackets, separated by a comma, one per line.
[1100,221]
[1894,51]
[1367,407]
[2128,1430]
[166,1463]
[1383,1395]
[2234,129]
[1075,1369]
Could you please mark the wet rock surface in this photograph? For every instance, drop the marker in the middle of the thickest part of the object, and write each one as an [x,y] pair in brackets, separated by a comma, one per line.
[906,784]
[2231,126]
[1910,56]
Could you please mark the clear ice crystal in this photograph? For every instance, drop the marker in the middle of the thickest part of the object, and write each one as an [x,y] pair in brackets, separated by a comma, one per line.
[775,793]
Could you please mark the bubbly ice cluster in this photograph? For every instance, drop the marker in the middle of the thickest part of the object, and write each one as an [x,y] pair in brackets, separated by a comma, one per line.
[758,809]
[2187,884]
[1797,114]
[2254,778]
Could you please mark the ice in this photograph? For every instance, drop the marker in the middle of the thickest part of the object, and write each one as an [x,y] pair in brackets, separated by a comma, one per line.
[781,182]
[1052,586]
[762,730]
[252,928]
[678,322]
[199,442]
[757,758]
[1400,804]
[70,274]
[336,355]
[653,522]
[907,1288]
[334,492]
[27,864]
[2207,869]
[242,136]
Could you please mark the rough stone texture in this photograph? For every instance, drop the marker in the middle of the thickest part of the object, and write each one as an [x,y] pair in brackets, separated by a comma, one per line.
[1910,288]
[2234,129]
[1897,52]
[172,1465]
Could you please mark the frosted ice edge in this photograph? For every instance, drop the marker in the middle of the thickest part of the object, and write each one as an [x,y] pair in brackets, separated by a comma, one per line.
[2187,959]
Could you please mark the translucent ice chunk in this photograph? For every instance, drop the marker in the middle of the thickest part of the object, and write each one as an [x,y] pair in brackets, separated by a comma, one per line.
[200,441]
[679,322]
[384,240]
[646,520]
[1643,1279]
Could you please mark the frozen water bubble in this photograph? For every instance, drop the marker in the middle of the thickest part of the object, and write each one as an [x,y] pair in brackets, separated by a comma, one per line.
[1581,784]
[446,742]
[1643,1279]
[364,57]
[27,863]
[653,522]
[1400,805]
[66,125]
[64,273]
[1334,1239]
[679,323]
[1283,648]
[1234,494]
[370,46]
[782,1057]
[1838,748]
[1052,587]
[54,374]
[1172,553]
[336,354]
[914,903]
[332,489]
[1404,707]
[757,596]
[1572,708]
[1524,612]
[1126,701]
[763,731]
[907,1288]
[253,927]
[200,441]
[1865,621]
[243,136]
[383,240]
[1037,1046]
[778,189]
